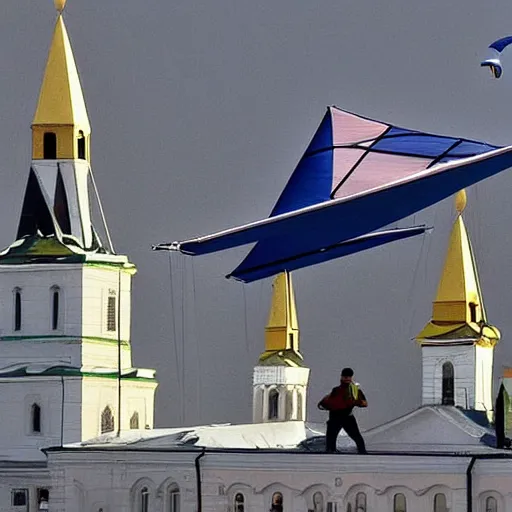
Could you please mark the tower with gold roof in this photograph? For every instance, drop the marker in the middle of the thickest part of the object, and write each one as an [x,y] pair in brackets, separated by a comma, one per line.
[280,379]
[65,294]
[458,342]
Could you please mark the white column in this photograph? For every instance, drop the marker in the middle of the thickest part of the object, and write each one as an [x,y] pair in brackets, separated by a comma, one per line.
[264,417]
[281,416]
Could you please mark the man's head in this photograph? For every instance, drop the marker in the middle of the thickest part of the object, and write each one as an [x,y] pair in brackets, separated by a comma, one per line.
[346,375]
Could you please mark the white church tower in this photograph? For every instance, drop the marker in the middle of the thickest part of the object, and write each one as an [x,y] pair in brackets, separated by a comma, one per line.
[458,342]
[280,379]
[64,293]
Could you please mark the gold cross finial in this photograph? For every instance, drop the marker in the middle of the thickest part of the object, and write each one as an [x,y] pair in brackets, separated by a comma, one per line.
[460,201]
[59,5]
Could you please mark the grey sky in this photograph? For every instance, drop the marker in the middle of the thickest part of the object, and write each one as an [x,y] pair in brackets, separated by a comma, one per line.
[200,111]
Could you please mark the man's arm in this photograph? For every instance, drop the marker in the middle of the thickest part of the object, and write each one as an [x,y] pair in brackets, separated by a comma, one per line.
[361,399]
[321,405]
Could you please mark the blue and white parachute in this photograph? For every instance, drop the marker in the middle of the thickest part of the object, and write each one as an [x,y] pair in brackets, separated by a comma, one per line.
[494,62]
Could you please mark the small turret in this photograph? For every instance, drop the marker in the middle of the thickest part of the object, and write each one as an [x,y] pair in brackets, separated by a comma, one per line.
[280,379]
[457,343]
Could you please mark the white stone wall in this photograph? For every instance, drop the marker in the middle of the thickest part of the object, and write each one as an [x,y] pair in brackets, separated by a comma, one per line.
[114,481]
[483,378]
[463,359]
[99,283]
[17,441]
[83,307]
[98,393]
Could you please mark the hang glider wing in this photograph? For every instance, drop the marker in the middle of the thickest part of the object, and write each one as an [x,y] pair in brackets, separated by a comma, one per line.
[250,270]
[356,176]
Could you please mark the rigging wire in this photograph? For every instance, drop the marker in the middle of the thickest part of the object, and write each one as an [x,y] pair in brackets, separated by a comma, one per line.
[173,324]
[246,328]
[196,343]
[183,316]
[423,254]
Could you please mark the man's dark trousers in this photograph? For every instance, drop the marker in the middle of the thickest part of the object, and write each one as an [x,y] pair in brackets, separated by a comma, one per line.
[348,423]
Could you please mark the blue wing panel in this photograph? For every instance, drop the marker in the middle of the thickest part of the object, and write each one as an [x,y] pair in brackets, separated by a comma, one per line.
[248,274]
[418,145]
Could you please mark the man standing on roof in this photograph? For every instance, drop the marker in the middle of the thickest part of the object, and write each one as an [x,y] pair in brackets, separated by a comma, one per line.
[340,402]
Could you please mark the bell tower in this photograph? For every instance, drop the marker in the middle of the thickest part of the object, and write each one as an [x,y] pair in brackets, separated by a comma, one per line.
[280,379]
[458,342]
[65,294]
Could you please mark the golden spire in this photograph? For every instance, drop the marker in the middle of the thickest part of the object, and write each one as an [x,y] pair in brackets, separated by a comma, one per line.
[282,330]
[458,309]
[60,129]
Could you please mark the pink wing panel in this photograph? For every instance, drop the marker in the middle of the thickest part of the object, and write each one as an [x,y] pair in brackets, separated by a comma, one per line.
[343,160]
[348,128]
[380,169]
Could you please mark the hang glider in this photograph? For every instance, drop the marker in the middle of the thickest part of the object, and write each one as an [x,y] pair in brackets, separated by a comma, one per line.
[357,176]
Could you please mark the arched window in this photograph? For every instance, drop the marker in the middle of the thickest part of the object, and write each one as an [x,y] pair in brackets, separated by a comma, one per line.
[107,420]
[273,404]
[360,502]
[349,507]
[134,421]
[448,397]
[144,500]
[81,145]
[491,505]
[399,503]
[277,502]
[49,146]
[55,296]
[440,503]
[239,502]
[35,418]
[17,309]
[174,500]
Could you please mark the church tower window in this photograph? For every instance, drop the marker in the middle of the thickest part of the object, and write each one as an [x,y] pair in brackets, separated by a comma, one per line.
[55,297]
[399,503]
[111,314]
[491,505]
[17,309]
[273,404]
[239,504]
[440,503]
[35,418]
[448,390]
[134,421]
[81,145]
[50,146]
[107,420]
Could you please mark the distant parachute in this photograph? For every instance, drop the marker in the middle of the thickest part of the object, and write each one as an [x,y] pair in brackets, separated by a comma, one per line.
[494,62]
